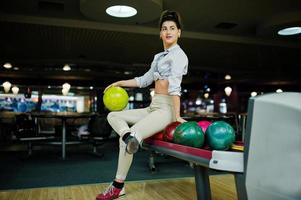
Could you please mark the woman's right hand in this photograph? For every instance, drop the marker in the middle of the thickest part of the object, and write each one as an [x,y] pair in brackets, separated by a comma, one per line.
[111,85]
[123,83]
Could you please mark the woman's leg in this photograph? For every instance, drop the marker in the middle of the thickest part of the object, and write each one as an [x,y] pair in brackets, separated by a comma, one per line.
[120,122]
[147,122]
[154,122]
[150,124]
[161,113]
[124,162]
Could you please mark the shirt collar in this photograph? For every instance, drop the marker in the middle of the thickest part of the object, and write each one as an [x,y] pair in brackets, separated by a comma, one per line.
[172,48]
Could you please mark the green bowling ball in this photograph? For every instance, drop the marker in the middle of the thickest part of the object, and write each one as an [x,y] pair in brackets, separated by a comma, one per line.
[189,134]
[220,135]
[115,98]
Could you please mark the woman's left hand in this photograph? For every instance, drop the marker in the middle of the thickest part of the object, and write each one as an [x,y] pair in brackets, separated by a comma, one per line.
[181,120]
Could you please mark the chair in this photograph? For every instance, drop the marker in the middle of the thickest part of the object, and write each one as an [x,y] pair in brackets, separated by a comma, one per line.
[25,131]
[96,132]
[100,131]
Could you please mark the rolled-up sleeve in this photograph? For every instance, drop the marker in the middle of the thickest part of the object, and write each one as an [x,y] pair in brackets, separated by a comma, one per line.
[179,66]
[147,78]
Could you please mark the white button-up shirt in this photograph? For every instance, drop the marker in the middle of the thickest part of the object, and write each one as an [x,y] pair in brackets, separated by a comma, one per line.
[170,65]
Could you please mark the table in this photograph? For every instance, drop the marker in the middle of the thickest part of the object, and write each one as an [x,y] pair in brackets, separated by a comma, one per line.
[203,160]
[63,116]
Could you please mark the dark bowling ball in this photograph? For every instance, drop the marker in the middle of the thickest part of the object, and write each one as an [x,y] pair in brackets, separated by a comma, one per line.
[189,134]
[157,136]
[220,135]
[169,131]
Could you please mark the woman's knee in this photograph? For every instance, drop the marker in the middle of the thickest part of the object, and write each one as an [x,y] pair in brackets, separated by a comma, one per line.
[111,116]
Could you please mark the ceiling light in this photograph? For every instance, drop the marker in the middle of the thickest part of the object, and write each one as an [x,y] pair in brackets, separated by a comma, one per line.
[65,91]
[253,94]
[132,98]
[15,90]
[206,95]
[121,11]
[66,86]
[7,65]
[227,77]
[127,72]
[290,31]
[228,90]
[66,67]
[279,90]
[6,85]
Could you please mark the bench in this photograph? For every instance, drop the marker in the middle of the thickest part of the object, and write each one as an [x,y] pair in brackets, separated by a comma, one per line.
[203,160]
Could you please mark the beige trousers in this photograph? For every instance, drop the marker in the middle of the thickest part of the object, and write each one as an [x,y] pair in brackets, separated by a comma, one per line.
[142,123]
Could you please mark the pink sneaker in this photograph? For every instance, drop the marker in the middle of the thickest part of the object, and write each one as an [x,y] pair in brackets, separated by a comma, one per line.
[111,193]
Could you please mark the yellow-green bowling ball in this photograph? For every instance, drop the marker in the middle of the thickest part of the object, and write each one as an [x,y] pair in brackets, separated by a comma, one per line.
[115,98]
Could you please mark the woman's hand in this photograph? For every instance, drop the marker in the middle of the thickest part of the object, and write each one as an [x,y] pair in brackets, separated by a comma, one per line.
[111,85]
[181,120]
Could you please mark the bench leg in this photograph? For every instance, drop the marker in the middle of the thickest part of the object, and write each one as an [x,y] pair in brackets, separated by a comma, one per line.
[240,186]
[202,182]
[151,162]
[29,148]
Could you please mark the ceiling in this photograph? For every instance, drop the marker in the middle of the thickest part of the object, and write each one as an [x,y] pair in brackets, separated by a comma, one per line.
[234,37]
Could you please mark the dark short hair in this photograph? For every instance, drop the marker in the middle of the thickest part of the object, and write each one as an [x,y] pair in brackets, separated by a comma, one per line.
[169,15]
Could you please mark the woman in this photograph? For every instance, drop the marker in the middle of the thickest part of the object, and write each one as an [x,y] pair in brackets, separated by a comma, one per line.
[167,70]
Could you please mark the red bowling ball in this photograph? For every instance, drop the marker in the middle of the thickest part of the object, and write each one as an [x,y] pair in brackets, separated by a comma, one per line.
[204,125]
[157,136]
[169,131]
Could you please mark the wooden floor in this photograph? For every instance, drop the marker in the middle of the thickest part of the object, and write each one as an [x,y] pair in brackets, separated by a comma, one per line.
[222,187]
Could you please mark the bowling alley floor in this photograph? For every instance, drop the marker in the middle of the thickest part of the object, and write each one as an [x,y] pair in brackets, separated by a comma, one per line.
[45,168]
[222,188]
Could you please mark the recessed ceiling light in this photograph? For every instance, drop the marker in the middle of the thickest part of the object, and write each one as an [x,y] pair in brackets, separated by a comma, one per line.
[127,72]
[66,67]
[7,65]
[227,77]
[121,11]
[290,31]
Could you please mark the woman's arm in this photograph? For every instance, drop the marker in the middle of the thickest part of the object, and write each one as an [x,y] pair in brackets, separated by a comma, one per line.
[124,83]
[177,106]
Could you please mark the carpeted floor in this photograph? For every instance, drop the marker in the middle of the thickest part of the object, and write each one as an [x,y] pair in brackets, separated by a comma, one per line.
[45,168]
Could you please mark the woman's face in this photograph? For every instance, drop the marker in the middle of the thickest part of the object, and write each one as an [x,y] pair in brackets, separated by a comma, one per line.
[169,33]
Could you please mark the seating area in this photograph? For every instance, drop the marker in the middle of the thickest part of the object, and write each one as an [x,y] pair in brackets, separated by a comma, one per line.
[29,129]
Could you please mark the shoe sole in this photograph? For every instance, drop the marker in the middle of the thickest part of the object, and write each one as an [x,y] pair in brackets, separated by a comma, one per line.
[132,145]
[120,197]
